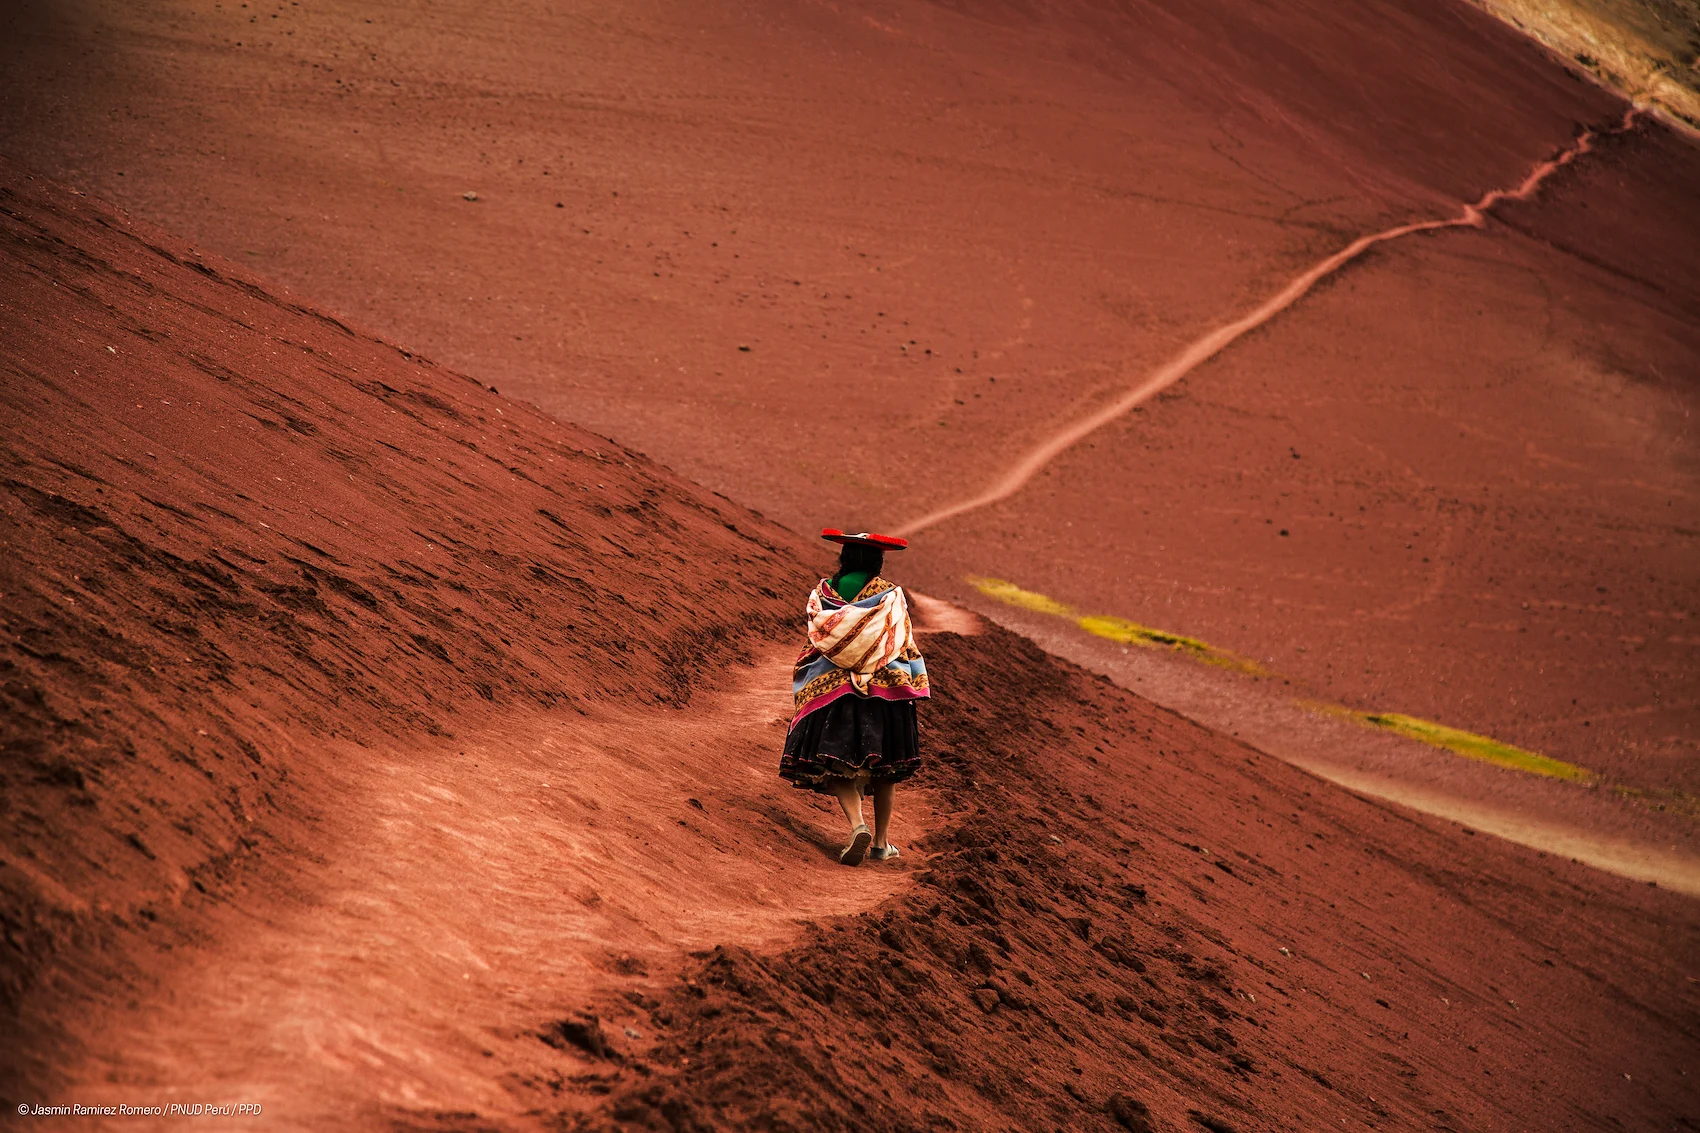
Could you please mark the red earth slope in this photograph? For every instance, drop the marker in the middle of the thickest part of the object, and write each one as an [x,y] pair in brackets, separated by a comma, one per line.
[1128,922]
[979,222]
[1112,918]
[236,531]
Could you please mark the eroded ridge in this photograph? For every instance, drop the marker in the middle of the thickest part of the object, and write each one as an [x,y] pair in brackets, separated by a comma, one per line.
[1209,345]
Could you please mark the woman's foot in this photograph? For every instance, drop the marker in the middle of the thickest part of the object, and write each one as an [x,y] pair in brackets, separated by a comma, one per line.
[884,853]
[860,839]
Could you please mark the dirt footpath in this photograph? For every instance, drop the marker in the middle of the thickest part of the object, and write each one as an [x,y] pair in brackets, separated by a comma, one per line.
[1126,922]
[467,909]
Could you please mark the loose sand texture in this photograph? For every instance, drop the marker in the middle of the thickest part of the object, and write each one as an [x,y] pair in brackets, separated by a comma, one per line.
[246,545]
[377,748]
[1103,938]
[384,753]
[848,263]
[1649,840]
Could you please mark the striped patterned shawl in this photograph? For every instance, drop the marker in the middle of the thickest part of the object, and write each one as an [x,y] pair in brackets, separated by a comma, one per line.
[865,647]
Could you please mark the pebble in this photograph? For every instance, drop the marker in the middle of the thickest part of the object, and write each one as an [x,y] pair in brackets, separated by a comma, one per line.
[469,196]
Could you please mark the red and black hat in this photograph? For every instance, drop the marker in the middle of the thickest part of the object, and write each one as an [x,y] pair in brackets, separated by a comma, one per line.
[864,538]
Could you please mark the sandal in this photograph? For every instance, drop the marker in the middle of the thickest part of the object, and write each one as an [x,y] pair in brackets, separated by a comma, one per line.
[885,853]
[860,839]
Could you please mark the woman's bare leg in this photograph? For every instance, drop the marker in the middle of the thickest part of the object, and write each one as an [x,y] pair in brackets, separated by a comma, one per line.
[885,796]
[849,796]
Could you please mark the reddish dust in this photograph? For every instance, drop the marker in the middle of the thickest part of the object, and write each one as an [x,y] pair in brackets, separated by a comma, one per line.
[300,624]
[960,228]
[1212,344]
[480,904]
[1128,922]
[248,547]
[431,858]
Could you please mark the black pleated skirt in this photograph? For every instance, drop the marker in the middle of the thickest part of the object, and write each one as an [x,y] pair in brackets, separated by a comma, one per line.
[863,739]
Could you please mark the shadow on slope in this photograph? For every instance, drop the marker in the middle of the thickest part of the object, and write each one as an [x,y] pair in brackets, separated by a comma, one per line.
[1129,922]
[244,542]
[236,530]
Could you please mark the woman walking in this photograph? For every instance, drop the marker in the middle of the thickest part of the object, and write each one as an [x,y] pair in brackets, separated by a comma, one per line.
[855,687]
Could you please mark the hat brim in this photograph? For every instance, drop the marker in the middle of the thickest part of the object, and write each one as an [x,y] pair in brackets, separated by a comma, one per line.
[864,539]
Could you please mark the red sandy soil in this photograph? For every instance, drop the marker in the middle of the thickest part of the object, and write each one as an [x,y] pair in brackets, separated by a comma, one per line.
[949,230]
[435,861]
[1097,943]
[244,544]
[1647,842]
[449,656]
[1483,513]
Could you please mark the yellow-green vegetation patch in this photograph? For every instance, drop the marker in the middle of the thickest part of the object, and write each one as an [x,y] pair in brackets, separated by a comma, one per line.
[1012,595]
[1132,633]
[1111,627]
[1456,740]
[1459,742]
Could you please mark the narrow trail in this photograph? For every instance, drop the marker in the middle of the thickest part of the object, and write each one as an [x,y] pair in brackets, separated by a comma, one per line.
[466,900]
[1203,349]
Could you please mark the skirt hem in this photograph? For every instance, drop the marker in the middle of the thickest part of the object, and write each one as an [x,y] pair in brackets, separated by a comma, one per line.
[867,780]
[867,741]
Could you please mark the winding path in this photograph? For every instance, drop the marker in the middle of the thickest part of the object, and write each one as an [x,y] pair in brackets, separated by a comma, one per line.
[1208,346]
[455,906]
